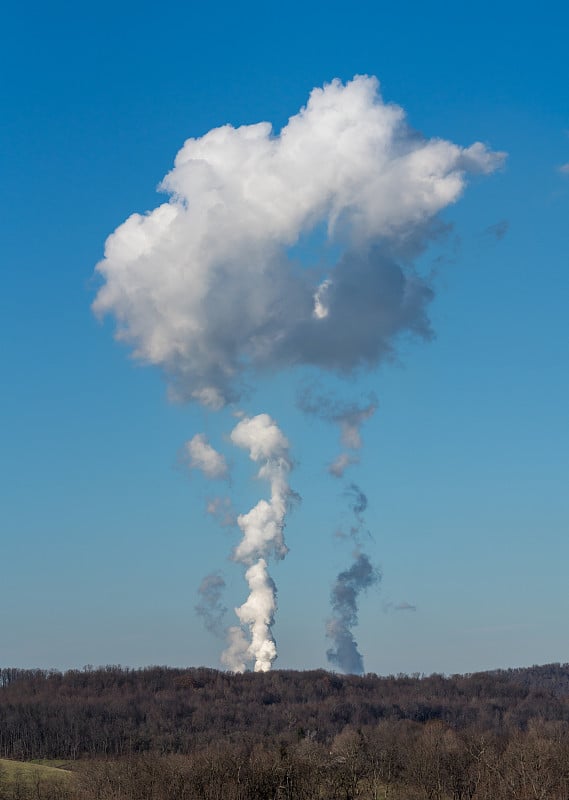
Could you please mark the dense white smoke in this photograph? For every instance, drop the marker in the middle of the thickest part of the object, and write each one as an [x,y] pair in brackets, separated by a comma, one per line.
[206,286]
[263,536]
[257,612]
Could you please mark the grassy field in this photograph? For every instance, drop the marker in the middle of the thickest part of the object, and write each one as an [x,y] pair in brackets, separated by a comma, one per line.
[28,773]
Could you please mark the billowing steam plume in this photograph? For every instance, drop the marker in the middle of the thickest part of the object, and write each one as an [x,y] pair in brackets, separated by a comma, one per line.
[211,287]
[263,537]
[344,600]
[204,286]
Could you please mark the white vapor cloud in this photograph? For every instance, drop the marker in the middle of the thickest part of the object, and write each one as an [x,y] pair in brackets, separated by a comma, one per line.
[236,655]
[206,286]
[262,437]
[263,525]
[263,536]
[201,455]
[214,287]
[258,613]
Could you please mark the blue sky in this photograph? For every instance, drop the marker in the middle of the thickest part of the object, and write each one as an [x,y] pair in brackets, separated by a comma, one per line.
[465,464]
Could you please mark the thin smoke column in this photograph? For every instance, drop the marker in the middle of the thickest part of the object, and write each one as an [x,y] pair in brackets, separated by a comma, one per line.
[361,575]
[345,593]
[344,600]
[349,416]
[358,504]
[210,606]
[263,537]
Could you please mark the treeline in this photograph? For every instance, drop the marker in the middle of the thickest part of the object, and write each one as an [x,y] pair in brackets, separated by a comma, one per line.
[115,712]
[393,760]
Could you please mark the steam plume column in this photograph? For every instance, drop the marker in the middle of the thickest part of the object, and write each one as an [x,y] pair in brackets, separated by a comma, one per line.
[263,536]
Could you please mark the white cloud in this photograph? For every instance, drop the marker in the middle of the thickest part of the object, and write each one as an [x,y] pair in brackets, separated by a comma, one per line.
[209,397]
[203,285]
[201,455]
[261,436]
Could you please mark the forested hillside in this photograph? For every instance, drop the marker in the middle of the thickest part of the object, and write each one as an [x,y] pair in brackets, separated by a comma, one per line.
[186,734]
[113,711]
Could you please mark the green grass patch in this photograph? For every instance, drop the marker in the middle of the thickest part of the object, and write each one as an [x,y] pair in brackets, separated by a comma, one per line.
[59,763]
[28,773]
